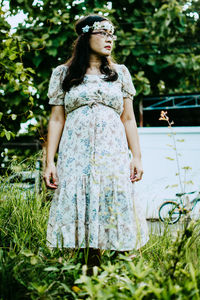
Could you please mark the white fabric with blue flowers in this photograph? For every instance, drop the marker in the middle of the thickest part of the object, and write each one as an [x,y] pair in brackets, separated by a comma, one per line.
[94,203]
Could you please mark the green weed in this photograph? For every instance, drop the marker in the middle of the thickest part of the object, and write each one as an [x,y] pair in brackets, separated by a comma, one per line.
[167,267]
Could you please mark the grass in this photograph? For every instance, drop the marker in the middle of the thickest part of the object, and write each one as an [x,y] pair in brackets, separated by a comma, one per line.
[165,268]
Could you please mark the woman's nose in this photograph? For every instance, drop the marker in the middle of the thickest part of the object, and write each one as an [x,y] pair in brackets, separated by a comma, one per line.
[109,39]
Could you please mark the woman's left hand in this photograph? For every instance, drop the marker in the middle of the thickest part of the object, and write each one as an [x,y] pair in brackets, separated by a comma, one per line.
[136,170]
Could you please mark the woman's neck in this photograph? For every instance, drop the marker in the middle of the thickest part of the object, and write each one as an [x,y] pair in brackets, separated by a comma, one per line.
[94,64]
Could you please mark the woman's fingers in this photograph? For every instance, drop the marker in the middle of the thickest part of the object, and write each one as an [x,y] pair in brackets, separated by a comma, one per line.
[47,180]
[140,173]
[51,179]
[132,172]
[54,178]
[134,177]
[135,173]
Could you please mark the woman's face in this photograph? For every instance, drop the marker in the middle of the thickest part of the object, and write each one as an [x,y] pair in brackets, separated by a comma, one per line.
[100,43]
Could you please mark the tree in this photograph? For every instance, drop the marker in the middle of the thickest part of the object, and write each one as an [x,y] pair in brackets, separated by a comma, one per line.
[16,82]
[157,40]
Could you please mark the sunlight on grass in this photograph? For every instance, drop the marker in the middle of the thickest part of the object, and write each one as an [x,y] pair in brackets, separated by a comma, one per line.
[167,267]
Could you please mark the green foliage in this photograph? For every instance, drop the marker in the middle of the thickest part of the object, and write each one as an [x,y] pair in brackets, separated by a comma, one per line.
[169,278]
[167,267]
[173,146]
[25,224]
[37,276]
[16,82]
[157,40]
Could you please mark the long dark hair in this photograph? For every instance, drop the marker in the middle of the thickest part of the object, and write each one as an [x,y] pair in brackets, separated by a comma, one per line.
[79,61]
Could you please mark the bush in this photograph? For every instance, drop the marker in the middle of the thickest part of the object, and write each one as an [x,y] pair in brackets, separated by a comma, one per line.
[165,268]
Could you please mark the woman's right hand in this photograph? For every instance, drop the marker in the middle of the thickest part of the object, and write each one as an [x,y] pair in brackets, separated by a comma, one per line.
[50,176]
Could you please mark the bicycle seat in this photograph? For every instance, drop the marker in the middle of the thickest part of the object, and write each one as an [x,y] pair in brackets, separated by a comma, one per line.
[181,194]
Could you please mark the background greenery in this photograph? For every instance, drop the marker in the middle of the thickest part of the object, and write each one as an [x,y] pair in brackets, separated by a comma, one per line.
[159,43]
[158,40]
[167,267]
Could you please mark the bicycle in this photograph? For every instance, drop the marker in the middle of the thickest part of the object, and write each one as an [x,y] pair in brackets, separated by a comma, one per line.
[171,210]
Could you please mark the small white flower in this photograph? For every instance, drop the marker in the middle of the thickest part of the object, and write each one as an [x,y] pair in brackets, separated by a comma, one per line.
[86,28]
[96,25]
[107,26]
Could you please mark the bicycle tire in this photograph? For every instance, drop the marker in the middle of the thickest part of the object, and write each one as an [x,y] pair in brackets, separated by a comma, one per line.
[169,212]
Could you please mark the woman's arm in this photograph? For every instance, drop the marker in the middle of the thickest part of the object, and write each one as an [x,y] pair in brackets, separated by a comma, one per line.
[55,128]
[128,119]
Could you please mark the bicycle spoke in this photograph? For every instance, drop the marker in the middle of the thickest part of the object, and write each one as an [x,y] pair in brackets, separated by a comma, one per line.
[169,212]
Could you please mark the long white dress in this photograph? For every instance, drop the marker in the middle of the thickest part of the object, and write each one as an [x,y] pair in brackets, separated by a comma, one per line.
[94,205]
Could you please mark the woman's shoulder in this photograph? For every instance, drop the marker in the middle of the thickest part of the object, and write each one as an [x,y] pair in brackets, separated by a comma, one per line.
[60,68]
[59,72]
[119,67]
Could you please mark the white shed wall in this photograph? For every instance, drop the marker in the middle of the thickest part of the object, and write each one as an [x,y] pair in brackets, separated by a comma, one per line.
[160,172]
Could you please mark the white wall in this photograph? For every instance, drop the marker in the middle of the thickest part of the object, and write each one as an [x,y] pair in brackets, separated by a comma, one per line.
[159,172]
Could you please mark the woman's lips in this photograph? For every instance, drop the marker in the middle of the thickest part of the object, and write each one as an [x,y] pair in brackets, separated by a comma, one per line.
[107,47]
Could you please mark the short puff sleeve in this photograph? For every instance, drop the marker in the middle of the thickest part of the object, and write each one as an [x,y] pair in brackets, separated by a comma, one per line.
[128,88]
[55,93]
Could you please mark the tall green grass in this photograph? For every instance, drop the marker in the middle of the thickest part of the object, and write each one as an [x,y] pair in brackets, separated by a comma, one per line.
[167,267]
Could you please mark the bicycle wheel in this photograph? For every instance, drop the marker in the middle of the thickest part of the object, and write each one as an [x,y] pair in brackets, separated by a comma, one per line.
[169,212]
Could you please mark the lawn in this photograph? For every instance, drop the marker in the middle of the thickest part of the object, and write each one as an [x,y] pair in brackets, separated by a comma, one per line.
[165,268]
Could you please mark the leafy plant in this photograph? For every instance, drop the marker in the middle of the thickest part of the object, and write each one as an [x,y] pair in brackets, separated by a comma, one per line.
[158,41]
[173,146]
[16,82]
[167,267]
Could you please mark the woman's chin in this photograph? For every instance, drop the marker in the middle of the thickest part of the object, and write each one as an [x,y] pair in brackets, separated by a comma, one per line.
[106,52]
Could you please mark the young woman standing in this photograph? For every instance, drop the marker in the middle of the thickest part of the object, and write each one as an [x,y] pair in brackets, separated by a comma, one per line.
[93,124]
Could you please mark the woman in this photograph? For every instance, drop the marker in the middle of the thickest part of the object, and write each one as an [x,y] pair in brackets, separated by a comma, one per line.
[93,122]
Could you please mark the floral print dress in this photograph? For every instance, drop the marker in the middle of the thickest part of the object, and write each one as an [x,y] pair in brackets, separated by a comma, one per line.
[94,204]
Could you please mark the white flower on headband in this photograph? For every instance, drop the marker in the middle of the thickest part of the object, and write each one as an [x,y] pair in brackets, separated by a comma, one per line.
[96,25]
[99,25]
[86,28]
[106,25]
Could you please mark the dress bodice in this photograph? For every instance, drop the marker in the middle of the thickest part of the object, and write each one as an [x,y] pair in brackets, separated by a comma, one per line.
[94,89]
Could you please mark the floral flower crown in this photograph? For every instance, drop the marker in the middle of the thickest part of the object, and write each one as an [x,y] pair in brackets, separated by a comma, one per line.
[99,25]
